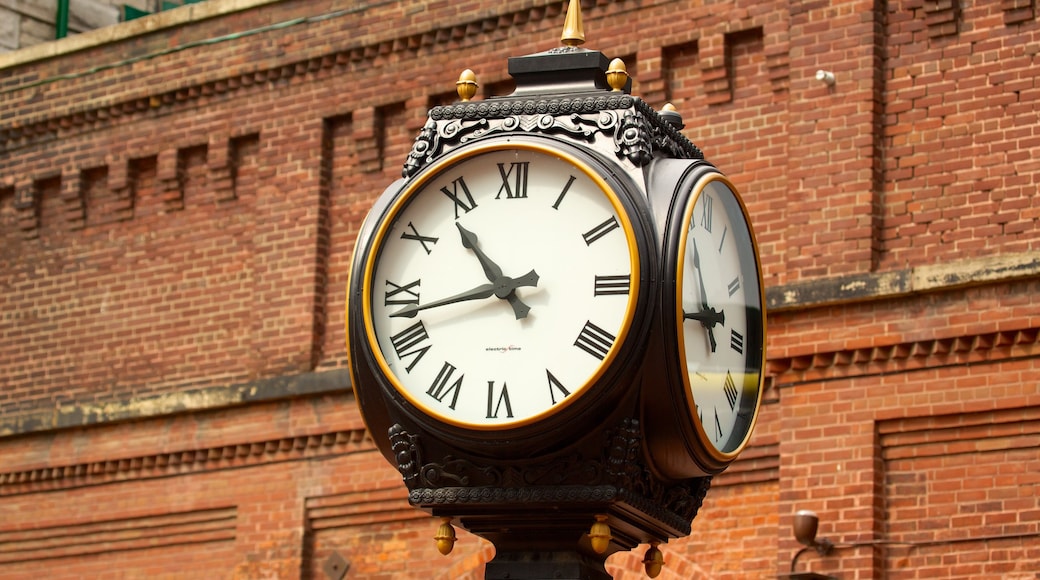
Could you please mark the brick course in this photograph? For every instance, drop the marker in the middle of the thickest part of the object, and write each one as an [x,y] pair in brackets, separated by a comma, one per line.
[177,218]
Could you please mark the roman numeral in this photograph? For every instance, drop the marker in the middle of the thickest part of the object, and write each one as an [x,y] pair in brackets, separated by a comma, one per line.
[409,297]
[734,286]
[564,192]
[409,342]
[503,399]
[440,388]
[730,389]
[466,204]
[736,341]
[555,383]
[706,213]
[611,285]
[600,230]
[418,238]
[517,186]
[723,240]
[594,340]
[718,426]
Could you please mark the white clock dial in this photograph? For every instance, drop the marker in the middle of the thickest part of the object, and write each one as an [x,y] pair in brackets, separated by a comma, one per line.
[501,285]
[720,317]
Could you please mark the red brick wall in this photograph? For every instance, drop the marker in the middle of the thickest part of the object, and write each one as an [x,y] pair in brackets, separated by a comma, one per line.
[177,217]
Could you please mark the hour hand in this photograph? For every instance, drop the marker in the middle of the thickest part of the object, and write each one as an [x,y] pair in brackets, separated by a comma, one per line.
[519,308]
[469,241]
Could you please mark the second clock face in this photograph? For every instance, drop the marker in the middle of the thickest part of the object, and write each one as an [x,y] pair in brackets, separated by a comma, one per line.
[501,285]
[721,326]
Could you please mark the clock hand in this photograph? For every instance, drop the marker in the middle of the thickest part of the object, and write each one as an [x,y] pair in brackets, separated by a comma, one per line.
[519,308]
[494,272]
[469,241]
[504,288]
[708,316]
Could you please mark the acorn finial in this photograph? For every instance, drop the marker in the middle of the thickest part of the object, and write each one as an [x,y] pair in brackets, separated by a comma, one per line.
[573,31]
[599,535]
[617,74]
[653,561]
[672,116]
[445,537]
[466,86]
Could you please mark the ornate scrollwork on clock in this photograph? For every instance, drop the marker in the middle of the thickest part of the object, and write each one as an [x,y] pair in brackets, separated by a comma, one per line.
[636,129]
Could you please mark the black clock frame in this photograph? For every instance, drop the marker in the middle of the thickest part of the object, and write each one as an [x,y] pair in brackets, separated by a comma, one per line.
[385,407]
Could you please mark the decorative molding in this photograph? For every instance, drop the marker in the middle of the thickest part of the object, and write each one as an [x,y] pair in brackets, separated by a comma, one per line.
[715,69]
[778,60]
[80,539]
[942,17]
[1018,11]
[368,128]
[84,413]
[183,462]
[72,198]
[121,179]
[636,129]
[331,63]
[27,207]
[900,283]
[363,507]
[758,463]
[170,173]
[942,435]
[620,474]
[905,356]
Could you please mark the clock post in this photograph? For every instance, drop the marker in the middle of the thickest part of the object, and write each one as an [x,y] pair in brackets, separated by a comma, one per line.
[540,340]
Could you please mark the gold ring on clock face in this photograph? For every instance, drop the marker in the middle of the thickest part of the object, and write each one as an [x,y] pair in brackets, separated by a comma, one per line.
[719,316]
[501,285]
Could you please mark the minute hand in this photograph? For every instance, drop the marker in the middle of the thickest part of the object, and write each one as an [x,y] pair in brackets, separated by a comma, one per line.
[505,285]
[482,291]
[708,316]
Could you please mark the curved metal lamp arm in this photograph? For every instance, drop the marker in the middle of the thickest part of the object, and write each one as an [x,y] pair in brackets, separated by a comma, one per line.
[823,546]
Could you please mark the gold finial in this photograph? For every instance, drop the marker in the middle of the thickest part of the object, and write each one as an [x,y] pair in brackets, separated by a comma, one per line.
[653,561]
[445,537]
[617,74]
[573,31]
[672,116]
[466,86]
[599,535]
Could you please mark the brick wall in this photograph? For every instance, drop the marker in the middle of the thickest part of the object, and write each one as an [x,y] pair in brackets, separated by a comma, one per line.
[179,202]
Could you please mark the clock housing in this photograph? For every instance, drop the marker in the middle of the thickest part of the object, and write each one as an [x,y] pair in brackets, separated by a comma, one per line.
[500,295]
[710,342]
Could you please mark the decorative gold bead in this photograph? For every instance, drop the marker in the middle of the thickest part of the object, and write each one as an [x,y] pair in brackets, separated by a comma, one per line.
[599,535]
[617,74]
[445,537]
[466,86]
[653,561]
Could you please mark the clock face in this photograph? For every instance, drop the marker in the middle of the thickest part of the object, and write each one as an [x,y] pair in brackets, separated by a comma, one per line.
[721,326]
[501,285]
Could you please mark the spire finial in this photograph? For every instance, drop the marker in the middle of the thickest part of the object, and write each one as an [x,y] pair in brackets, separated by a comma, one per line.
[573,30]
